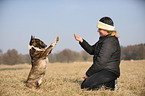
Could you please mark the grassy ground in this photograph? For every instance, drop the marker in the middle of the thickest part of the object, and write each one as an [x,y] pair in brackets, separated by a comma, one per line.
[62,79]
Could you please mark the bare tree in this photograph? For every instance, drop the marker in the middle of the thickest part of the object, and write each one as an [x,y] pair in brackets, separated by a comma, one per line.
[135,52]
[1,53]
[85,56]
[67,56]
[11,57]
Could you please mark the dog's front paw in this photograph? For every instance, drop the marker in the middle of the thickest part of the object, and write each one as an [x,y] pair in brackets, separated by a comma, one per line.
[56,40]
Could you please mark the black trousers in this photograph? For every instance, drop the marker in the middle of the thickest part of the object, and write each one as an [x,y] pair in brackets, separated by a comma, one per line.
[102,78]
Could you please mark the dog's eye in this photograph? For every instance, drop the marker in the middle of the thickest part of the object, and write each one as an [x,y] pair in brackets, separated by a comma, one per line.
[36,41]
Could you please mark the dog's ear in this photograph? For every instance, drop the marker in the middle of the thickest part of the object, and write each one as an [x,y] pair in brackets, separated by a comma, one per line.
[32,37]
[31,40]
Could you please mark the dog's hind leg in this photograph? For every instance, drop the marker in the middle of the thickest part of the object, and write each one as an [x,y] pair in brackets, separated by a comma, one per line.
[40,80]
[45,63]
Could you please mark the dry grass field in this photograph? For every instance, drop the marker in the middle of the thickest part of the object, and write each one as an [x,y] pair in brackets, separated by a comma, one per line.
[62,79]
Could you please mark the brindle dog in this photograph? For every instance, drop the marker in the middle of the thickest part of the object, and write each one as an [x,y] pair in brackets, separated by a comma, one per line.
[39,61]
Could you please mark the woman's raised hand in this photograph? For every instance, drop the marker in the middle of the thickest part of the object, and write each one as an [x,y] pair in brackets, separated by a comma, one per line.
[78,38]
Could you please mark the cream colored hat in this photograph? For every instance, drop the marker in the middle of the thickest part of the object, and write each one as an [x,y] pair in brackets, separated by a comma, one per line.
[106,26]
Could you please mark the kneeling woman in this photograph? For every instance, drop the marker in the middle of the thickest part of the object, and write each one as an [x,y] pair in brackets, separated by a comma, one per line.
[105,68]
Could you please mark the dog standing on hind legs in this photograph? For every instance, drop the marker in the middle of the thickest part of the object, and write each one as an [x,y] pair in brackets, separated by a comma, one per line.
[39,61]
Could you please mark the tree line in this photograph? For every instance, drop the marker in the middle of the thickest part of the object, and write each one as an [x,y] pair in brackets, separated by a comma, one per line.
[135,52]
[11,57]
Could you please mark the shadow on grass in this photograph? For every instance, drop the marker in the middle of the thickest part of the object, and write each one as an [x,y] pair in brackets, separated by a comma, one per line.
[73,81]
[78,82]
[12,69]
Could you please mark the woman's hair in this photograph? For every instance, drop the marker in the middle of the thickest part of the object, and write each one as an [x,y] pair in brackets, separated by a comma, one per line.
[113,33]
[109,21]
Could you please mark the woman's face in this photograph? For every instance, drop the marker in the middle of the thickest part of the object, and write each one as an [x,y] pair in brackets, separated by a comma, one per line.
[102,32]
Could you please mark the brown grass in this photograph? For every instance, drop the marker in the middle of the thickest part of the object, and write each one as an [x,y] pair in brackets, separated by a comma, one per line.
[62,79]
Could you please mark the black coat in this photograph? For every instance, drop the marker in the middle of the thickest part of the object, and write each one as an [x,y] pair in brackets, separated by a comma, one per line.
[106,55]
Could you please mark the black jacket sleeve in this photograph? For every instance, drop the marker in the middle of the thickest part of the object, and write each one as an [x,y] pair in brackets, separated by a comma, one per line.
[108,47]
[87,47]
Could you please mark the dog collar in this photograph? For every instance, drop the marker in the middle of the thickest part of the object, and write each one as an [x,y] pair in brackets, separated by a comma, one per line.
[36,48]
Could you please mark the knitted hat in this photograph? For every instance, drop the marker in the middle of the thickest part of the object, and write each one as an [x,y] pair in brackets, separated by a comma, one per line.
[106,23]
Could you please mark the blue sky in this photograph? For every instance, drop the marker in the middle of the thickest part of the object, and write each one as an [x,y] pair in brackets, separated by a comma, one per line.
[46,19]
